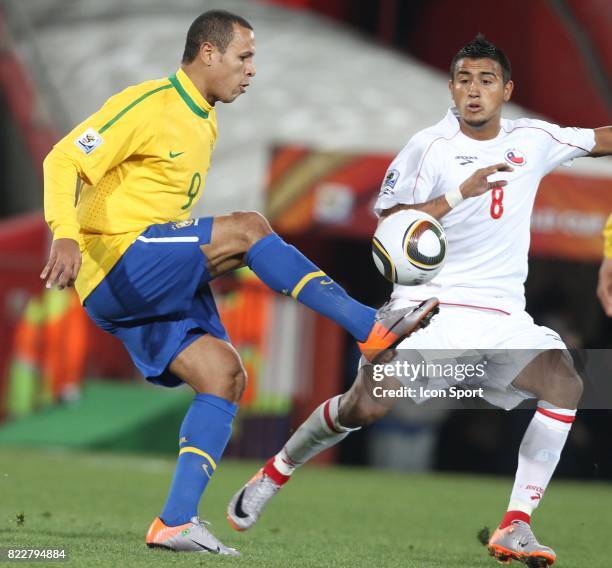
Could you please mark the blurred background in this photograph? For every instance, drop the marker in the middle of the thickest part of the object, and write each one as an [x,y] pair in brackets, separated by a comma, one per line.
[341,86]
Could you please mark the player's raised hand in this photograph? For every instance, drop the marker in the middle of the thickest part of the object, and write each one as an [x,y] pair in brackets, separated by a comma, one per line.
[63,265]
[477,183]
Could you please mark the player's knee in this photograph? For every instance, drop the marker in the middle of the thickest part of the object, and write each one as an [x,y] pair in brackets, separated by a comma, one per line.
[251,226]
[233,382]
[570,384]
[355,412]
[238,384]
[367,414]
[562,385]
[229,384]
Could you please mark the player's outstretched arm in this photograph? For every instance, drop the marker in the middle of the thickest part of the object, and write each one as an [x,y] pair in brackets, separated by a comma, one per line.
[603,142]
[475,185]
[437,208]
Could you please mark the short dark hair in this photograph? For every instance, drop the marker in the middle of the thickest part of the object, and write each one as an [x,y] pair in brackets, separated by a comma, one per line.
[214,26]
[480,48]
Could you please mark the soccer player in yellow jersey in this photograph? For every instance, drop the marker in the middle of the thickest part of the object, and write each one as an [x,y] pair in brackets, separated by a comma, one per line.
[604,286]
[141,265]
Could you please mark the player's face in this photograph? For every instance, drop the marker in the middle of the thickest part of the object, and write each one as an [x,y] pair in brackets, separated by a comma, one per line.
[231,71]
[478,91]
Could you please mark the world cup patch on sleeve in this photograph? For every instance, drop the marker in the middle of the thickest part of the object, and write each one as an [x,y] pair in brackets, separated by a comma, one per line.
[390,180]
[89,141]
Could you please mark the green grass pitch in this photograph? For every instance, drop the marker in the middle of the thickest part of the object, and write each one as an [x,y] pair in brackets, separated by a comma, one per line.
[98,506]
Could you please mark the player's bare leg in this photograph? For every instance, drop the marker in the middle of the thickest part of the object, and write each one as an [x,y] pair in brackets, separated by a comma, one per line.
[246,238]
[232,236]
[213,369]
[553,379]
[328,425]
[213,366]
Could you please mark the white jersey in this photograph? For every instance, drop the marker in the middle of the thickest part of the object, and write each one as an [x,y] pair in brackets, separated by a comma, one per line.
[488,236]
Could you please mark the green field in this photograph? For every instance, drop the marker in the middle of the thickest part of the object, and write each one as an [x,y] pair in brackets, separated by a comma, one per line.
[98,506]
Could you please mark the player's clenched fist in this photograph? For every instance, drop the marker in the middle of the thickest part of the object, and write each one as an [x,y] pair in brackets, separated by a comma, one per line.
[477,183]
[63,264]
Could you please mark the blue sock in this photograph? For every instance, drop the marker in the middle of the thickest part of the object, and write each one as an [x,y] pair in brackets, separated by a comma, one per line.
[286,270]
[204,434]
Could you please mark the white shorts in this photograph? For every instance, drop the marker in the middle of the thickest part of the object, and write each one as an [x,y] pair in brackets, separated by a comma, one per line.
[503,344]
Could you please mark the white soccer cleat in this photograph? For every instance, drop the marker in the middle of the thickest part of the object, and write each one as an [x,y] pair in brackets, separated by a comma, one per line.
[248,504]
[517,542]
[189,537]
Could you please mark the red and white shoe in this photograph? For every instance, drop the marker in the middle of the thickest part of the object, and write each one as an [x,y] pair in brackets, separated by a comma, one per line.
[248,504]
[517,542]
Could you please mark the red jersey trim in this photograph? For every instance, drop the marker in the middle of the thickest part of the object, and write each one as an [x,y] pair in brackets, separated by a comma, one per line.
[551,135]
[467,306]
[416,181]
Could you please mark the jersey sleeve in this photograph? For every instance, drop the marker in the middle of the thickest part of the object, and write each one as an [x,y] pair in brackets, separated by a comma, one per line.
[410,178]
[564,144]
[102,141]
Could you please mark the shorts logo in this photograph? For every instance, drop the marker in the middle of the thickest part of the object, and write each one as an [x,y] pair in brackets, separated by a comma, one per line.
[88,141]
[515,157]
[390,181]
[182,224]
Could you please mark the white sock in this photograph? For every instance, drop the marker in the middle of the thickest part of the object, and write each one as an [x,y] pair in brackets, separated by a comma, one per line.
[321,430]
[539,455]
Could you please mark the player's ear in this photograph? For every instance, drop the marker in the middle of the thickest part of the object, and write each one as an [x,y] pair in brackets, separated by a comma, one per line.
[206,52]
[508,88]
[450,90]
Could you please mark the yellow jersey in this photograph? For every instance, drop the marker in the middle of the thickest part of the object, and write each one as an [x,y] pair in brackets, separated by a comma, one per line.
[607,234]
[141,160]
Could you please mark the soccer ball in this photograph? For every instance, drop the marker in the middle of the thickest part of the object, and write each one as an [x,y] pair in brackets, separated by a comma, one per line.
[409,247]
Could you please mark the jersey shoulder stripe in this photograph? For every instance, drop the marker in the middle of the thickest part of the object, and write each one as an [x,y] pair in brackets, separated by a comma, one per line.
[552,130]
[131,105]
[422,141]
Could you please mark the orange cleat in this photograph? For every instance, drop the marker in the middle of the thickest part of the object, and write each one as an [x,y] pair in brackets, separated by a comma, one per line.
[189,537]
[391,327]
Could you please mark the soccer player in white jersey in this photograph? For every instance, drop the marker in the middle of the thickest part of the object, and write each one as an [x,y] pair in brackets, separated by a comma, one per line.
[478,174]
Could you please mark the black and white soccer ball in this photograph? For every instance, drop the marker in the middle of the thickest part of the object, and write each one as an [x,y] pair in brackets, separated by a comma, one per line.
[409,247]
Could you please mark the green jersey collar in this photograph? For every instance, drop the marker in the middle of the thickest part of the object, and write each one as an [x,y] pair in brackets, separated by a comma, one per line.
[190,94]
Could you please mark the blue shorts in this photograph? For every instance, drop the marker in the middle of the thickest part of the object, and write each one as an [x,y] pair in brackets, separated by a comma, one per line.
[157,300]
